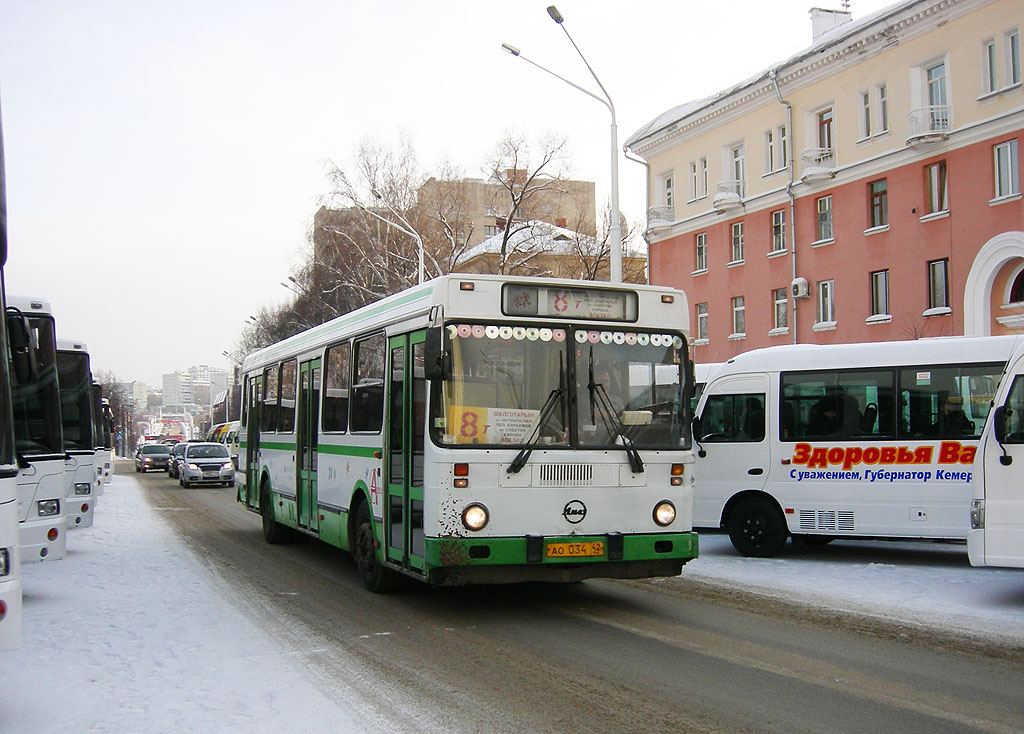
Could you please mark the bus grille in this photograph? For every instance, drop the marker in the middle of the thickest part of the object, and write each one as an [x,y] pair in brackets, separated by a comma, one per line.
[565,475]
[836,521]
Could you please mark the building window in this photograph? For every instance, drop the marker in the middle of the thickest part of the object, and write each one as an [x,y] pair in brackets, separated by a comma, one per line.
[826,302]
[700,243]
[702,321]
[878,215]
[1007,178]
[780,300]
[738,313]
[1013,57]
[865,114]
[667,191]
[490,230]
[769,151]
[699,179]
[879,292]
[883,108]
[1017,289]
[737,242]
[988,65]
[739,168]
[783,147]
[779,230]
[825,218]
[938,191]
[825,129]
[938,112]
[938,287]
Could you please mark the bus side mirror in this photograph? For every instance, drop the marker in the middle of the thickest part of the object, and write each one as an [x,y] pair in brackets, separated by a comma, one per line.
[436,360]
[999,423]
[21,347]
[697,433]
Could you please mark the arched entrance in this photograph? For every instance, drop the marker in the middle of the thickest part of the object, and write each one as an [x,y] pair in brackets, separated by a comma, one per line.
[988,263]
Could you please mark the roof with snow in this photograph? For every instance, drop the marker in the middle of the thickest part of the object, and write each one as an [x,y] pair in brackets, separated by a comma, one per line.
[833,38]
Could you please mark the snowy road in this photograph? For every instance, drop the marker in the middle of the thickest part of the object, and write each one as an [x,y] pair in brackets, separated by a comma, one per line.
[134,633]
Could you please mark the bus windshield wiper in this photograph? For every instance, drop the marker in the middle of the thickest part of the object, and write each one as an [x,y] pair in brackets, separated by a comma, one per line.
[599,398]
[556,397]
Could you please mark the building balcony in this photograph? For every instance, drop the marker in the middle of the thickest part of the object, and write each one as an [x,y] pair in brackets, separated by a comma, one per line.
[928,125]
[728,195]
[660,216]
[819,164]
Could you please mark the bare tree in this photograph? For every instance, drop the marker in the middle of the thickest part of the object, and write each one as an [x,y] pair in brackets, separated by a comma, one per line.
[526,172]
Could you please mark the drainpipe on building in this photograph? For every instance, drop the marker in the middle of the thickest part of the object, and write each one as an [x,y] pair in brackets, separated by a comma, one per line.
[789,193]
[630,155]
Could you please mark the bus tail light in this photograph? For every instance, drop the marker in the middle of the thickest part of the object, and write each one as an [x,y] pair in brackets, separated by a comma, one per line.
[475,516]
[461,475]
[677,475]
[664,513]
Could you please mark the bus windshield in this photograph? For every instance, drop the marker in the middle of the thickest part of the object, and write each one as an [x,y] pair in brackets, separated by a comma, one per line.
[36,402]
[75,400]
[562,387]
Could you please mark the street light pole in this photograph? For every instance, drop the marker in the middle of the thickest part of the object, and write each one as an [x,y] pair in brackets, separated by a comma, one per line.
[615,225]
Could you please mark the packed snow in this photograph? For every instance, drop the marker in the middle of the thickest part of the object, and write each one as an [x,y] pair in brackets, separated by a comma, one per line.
[132,633]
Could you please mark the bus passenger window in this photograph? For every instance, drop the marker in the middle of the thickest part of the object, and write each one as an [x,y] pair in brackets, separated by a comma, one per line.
[335,396]
[368,388]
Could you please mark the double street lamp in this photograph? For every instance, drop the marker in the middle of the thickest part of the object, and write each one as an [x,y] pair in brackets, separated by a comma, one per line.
[615,226]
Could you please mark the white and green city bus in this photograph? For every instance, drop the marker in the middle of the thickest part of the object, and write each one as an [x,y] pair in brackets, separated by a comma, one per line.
[82,484]
[10,551]
[39,438]
[480,428]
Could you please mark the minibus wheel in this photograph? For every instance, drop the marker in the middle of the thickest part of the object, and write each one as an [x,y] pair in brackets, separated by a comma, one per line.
[757,528]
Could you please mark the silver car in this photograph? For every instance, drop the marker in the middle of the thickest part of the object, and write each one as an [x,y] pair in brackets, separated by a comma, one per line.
[206,463]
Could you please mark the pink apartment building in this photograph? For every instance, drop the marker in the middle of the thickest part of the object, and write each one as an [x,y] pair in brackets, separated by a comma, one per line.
[866,189]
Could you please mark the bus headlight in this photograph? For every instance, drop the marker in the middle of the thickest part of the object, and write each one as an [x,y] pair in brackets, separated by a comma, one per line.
[664,513]
[978,515]
[45,508]
[82,488]
[5,562]
[475,517]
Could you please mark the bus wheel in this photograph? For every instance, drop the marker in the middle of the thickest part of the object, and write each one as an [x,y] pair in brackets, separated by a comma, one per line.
[374,576]
[273,531]
[757,528]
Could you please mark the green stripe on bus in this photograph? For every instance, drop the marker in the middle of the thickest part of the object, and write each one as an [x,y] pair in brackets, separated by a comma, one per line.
[365,451]
[277,446]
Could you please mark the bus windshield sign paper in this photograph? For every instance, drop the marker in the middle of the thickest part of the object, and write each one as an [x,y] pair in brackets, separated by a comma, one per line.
[577,303]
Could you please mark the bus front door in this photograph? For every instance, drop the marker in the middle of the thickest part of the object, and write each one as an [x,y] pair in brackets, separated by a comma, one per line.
[252,440]
[306,438]
[406,425]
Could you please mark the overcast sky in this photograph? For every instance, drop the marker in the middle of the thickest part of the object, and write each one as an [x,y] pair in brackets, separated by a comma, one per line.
[165,159]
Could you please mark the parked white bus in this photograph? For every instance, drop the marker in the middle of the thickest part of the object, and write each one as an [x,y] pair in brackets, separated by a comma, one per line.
[850,440]
[82,483]
[10,550]
[478,428]
[38,433]
[996,537]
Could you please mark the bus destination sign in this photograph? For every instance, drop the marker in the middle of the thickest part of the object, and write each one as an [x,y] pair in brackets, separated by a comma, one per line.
[569,303]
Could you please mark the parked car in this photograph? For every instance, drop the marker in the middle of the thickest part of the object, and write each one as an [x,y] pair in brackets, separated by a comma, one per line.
[173,462]
[206,463]
[151,456]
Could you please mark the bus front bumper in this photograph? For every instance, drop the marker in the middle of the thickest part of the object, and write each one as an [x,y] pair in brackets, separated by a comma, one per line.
[453,561]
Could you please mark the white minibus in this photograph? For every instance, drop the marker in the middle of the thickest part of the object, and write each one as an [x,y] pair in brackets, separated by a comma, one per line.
[869,440]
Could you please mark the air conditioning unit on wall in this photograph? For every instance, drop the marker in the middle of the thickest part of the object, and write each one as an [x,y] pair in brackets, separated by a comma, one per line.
[800,288]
